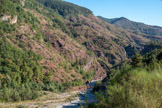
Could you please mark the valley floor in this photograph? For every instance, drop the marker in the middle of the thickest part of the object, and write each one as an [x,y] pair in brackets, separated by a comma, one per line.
[72,99]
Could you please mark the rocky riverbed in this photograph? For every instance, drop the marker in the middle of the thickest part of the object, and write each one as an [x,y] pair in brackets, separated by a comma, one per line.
[73,99]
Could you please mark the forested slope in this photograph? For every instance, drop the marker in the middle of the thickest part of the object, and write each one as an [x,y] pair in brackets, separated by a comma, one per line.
[54,45]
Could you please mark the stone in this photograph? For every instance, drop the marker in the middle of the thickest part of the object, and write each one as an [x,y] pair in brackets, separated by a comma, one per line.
[22,2]
[14,20]
[5,18]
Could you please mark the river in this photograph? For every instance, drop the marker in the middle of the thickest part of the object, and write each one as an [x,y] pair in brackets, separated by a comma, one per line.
[82,100]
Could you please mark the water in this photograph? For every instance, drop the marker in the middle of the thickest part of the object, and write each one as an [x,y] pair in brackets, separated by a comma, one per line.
[82,100]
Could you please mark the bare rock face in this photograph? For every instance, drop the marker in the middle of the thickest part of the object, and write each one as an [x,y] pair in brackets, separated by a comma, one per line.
[5,18]
[8,18]
[14,20]
[22,2]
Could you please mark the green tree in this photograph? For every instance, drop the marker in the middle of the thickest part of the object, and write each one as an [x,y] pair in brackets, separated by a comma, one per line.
[137,61]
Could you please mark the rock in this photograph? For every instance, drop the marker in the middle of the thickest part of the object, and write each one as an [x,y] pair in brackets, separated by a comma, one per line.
[60,43]
[89,65]
[14,20]
[22,2]
[8,18]
[5,18]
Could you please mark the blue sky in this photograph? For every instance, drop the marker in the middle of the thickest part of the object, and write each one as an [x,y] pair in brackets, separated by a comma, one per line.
[146,11]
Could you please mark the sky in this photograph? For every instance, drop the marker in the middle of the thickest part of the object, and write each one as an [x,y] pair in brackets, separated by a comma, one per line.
[146,11]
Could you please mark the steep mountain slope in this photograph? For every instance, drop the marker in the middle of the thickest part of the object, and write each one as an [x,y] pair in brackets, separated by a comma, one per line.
[150,32]
[44,32]
[72,44]
[59,35]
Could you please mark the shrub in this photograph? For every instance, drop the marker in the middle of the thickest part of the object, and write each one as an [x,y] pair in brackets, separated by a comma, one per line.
[133,88]
[20,93]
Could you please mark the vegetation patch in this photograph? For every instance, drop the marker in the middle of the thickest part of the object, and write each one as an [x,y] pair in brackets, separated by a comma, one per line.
[134,86]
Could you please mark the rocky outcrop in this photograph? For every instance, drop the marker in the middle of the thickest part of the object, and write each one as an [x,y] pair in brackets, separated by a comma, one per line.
[5,18]
[9,18]
[13,20]
[22,2]
[89,65]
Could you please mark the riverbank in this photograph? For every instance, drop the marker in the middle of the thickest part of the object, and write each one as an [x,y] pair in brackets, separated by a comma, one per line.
[71,99]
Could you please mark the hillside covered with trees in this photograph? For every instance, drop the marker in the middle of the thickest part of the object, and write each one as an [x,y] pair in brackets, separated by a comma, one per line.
[53,45]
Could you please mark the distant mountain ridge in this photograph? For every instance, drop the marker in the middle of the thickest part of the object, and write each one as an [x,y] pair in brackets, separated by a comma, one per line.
[147,30]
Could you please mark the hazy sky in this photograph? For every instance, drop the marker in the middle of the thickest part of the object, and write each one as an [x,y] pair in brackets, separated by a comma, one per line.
[147,11]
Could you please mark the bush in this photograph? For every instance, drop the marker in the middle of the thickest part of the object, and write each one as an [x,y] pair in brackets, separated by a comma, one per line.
[133,88]
[7,7]
[97,86]
[76,82]
[20,93]
[61,25]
